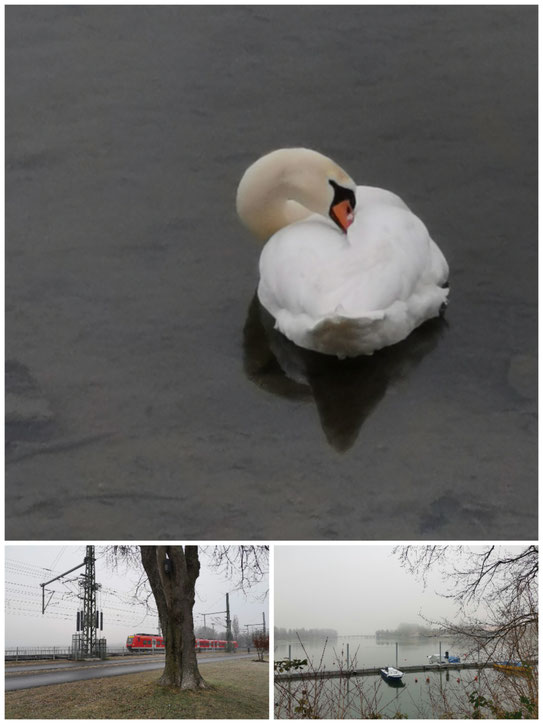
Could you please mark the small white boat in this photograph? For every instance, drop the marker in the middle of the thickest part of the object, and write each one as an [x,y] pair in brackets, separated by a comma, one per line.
[392,675]
[437,659]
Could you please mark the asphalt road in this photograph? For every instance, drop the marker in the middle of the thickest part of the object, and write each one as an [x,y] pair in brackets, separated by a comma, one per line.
[145,398]
[27,677]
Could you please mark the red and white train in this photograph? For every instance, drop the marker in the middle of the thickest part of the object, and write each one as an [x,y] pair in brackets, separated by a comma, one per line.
[152,642]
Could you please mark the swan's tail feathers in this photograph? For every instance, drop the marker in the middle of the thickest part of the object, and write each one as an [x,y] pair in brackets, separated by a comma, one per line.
[444,304]
[348,336]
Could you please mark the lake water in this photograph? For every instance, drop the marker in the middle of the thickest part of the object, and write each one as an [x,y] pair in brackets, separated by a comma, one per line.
[422,696]
[145,396]
[367,652]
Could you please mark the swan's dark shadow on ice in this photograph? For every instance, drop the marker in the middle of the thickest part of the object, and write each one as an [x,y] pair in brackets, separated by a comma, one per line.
[346,391]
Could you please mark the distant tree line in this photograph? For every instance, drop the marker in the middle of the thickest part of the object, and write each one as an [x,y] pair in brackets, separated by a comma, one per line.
[406,631]
[305,634]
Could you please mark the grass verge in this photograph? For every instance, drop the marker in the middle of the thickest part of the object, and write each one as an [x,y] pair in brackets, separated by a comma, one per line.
[237,690]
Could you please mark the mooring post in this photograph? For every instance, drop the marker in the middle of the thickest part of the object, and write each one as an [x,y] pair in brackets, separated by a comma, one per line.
[289,685]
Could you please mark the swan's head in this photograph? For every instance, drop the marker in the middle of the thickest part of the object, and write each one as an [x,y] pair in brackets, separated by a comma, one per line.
[322,186]
[286,185]
[343,204]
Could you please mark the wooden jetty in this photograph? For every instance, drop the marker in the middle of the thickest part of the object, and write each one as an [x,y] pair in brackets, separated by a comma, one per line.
[300,676]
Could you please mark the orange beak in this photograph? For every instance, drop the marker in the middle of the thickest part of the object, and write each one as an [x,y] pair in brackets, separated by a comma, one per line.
[342,214]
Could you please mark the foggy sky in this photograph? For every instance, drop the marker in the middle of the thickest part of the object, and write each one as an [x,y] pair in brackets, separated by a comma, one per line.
[26,568]
[353,589]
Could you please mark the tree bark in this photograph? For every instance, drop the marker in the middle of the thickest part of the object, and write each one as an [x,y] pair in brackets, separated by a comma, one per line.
[172,572]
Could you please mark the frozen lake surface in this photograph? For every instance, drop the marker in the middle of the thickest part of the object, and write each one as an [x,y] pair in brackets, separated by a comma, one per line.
[145,394]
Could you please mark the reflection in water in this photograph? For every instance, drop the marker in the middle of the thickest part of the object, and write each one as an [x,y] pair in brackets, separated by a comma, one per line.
[345,391]
[395,684]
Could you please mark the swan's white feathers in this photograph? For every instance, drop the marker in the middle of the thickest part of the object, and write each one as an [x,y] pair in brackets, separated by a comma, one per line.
[354,293]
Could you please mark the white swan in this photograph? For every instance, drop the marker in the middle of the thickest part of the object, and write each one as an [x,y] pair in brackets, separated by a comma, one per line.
[347,269]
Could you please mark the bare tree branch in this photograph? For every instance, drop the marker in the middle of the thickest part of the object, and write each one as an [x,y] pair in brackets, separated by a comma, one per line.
[246,565]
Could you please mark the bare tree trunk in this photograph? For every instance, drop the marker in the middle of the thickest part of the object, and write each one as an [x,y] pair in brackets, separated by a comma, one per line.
[172,572]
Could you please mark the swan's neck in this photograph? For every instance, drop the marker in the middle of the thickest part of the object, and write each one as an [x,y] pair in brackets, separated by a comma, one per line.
[269,210]
[266,197]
